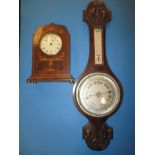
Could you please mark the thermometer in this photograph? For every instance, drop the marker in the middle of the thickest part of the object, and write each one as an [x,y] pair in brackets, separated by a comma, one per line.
[98,46]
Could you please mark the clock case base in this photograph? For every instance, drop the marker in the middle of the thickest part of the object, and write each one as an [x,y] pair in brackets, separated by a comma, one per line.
[61,78]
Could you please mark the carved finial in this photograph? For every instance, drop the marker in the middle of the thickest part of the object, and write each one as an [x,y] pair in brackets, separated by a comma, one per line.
[96,13]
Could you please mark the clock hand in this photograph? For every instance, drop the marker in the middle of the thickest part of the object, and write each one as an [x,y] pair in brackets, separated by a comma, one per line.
[54,39]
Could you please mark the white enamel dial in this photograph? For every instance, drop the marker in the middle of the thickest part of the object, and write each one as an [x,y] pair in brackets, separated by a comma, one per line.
[51,44]
[97,94]
[98,45]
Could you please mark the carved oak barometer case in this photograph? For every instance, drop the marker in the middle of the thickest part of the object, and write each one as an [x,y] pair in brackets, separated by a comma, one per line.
[97,93]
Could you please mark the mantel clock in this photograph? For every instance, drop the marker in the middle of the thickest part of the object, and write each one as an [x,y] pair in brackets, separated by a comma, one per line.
[51,54]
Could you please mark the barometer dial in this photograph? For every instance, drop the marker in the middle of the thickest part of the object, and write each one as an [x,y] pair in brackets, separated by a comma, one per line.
[98,94]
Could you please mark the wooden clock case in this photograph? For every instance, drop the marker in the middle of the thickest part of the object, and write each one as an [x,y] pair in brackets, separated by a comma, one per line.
[51,67]
[96,132]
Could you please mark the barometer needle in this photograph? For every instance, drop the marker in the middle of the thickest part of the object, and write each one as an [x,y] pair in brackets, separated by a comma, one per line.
[98,94]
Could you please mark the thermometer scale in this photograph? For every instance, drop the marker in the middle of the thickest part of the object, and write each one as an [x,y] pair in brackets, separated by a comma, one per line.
[98,46]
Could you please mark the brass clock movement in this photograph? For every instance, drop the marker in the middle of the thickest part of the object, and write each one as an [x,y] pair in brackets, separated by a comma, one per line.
[51,54]
[97,93]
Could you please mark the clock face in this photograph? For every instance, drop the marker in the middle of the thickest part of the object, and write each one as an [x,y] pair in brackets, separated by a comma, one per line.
[51,44]
[97,94]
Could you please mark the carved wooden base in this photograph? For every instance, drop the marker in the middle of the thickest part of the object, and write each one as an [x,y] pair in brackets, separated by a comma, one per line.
[97,134]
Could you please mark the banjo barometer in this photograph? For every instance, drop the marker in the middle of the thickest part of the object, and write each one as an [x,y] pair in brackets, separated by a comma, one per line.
[97,93]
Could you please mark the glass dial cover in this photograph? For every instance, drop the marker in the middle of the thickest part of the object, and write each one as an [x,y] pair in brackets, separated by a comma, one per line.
[97,94]
[50,44]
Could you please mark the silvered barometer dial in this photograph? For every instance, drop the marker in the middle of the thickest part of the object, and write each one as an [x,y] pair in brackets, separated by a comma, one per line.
[50,44]
[98,94]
